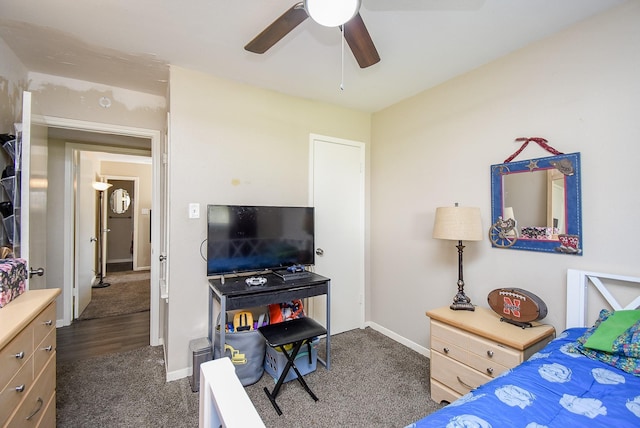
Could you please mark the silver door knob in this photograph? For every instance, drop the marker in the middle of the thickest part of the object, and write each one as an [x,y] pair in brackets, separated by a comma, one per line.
[319,251]
[162,257]
[92,239]
[39,272]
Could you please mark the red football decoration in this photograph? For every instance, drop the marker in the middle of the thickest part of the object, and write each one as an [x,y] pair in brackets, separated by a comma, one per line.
[516,304]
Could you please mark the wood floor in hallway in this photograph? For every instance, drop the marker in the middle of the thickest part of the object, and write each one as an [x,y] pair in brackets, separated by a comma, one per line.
[90,338]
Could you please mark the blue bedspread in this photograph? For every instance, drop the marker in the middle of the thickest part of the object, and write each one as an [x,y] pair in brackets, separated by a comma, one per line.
[553,388]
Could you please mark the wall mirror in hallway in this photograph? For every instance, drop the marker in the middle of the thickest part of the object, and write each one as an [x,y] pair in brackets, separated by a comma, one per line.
[120,201]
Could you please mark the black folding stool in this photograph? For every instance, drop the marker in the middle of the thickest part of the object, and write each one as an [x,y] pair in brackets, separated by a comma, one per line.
[294,332]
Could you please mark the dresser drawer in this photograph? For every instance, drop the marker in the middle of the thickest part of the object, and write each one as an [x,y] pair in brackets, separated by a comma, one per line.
[15,354]
[486,366]
[440,392]
[48,419]
[449,349]
[44,350]
[15,391]
[44,323]
[455,375]
[35,403]
[449,334]
[494,352]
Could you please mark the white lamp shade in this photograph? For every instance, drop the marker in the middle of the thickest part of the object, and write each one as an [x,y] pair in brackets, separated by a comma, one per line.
[101,186]
[331,13]
[508,213]
[458,224]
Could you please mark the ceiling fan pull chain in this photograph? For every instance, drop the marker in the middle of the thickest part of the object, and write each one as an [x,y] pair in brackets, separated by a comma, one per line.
[342,62]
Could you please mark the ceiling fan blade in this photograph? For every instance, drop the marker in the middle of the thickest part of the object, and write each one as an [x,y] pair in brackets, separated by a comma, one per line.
[278,29]
[359,40]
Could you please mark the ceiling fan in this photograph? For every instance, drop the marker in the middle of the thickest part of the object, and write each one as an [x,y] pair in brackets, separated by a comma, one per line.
[355,32]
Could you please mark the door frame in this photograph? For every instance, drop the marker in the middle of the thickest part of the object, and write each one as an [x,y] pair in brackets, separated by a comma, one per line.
[68,271]
[316,312]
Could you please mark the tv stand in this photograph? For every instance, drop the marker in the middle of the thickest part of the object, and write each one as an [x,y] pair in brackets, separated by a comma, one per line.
[234,293]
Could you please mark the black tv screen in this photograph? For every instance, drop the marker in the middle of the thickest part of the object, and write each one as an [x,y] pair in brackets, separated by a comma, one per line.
[254,238]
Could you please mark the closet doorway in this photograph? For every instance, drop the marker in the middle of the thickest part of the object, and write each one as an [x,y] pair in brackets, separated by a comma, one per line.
[121,224]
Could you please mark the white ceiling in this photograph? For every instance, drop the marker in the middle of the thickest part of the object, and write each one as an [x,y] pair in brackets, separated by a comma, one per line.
[129,43]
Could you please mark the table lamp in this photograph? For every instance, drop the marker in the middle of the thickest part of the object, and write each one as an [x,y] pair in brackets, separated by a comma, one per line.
[459,224]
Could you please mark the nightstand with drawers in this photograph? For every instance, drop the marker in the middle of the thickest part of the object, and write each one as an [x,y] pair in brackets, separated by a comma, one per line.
[469,348]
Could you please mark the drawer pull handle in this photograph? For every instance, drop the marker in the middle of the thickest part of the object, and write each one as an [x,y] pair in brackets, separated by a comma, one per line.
[48,322]
[40,403]
[20,388]
[490,370]
[464,384]
[490,353]
[446,350]
[48,348]
[20,355]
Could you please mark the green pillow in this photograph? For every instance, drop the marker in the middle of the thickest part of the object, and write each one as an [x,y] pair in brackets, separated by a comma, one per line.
[602,339]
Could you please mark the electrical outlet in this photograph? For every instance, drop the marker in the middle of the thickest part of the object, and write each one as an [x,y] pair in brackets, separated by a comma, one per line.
[194,210]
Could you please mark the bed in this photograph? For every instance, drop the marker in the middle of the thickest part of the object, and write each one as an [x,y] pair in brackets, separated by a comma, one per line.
[568,383]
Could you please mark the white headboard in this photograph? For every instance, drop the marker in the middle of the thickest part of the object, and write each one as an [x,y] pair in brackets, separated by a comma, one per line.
[578,282]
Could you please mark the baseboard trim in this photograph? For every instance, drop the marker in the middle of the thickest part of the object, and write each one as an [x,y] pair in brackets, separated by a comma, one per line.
[179,374]
[400,339]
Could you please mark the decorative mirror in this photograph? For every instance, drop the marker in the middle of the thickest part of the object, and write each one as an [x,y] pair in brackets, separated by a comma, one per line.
[536,205]
[120,201]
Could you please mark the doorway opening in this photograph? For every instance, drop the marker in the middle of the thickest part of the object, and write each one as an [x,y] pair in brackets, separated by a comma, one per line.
[103,137]
[123,235]
[121,225]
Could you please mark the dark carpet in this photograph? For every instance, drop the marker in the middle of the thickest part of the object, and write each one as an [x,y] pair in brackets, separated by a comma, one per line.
[123,390]
[373,382]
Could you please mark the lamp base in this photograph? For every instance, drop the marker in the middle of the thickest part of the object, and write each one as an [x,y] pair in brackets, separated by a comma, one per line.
[462,303]
[101,285]
[462,306]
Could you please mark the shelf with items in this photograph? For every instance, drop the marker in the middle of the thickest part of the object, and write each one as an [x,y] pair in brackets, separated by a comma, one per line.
[10,195]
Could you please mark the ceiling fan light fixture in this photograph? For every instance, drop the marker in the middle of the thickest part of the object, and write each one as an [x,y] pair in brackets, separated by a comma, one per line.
[331,13]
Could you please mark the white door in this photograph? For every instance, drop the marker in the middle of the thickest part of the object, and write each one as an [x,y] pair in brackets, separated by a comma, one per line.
[86,236]
[33,195]
[337,193]
[160,252]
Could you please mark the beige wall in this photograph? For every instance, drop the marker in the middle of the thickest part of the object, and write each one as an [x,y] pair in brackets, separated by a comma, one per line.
[79,100]
[143,172]
[579,89]
[231,143]
[13,80]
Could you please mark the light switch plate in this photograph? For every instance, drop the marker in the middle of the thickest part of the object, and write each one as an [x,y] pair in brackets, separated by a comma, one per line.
[194,210]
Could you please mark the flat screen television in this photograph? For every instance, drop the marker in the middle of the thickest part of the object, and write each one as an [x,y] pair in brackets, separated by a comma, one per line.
[255,238]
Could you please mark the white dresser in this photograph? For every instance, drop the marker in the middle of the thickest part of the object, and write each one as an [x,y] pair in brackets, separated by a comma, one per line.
[28,360]
[469,348]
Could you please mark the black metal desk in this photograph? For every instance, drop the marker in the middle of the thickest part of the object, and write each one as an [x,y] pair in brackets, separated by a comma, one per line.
[236,294]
